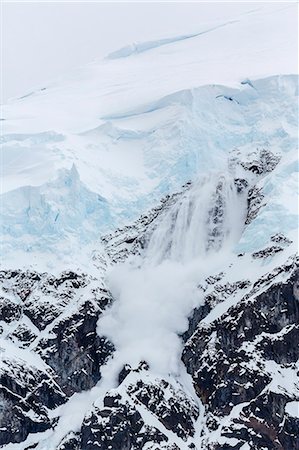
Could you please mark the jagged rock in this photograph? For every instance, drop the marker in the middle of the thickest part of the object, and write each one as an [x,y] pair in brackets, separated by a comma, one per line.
[262,423]
[172,407]
[150,435]
[143,365]
[43,296]
[214,278]
[254,203]
[23,336]
[281,348]
[114,428]
[289,437]
[25,394]
[241,184]
[9,311]
[259,163]
[71,349]
[70,442]
[76,353]
[280,238]
[228,363]
[218,294]
[266,252]
[264,162]
[197,315]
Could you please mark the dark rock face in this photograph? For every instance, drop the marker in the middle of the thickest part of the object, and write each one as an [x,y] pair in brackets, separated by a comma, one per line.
[264,162]
[254,203]
[58,352]
[231,362]
[256,164]
[127,369]
[9,311]
[77,352]
[25,394]
[266,252]
[215,292]
[172,408]
[264,417]
[290,436]
[117,426]
[283,349]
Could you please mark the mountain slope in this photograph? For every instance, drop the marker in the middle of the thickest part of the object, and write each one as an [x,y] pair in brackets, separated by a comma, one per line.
[149,279]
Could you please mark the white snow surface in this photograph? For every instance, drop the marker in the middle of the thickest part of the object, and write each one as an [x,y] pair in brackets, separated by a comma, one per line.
[292,408]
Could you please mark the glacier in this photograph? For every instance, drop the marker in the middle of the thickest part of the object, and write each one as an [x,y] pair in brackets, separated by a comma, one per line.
[131,162]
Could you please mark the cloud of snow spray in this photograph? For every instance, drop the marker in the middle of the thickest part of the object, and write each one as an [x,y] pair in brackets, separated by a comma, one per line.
[155,295]
[151,309]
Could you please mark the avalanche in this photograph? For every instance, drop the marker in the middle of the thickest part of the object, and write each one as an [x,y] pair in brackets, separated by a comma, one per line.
[154,295]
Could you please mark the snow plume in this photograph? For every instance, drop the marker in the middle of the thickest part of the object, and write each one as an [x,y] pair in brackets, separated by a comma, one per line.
[208,216]
[155,294]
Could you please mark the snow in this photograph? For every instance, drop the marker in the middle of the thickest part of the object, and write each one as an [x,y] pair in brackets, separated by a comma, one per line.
[150,309]
[257,45]
[22,357]
[292,408]
[145,46]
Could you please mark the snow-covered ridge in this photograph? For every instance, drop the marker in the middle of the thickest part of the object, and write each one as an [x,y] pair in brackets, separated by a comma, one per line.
[226,56]
[140,47]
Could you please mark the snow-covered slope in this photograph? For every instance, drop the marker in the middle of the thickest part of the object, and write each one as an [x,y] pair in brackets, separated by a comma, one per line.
[139,125]
[149,282]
